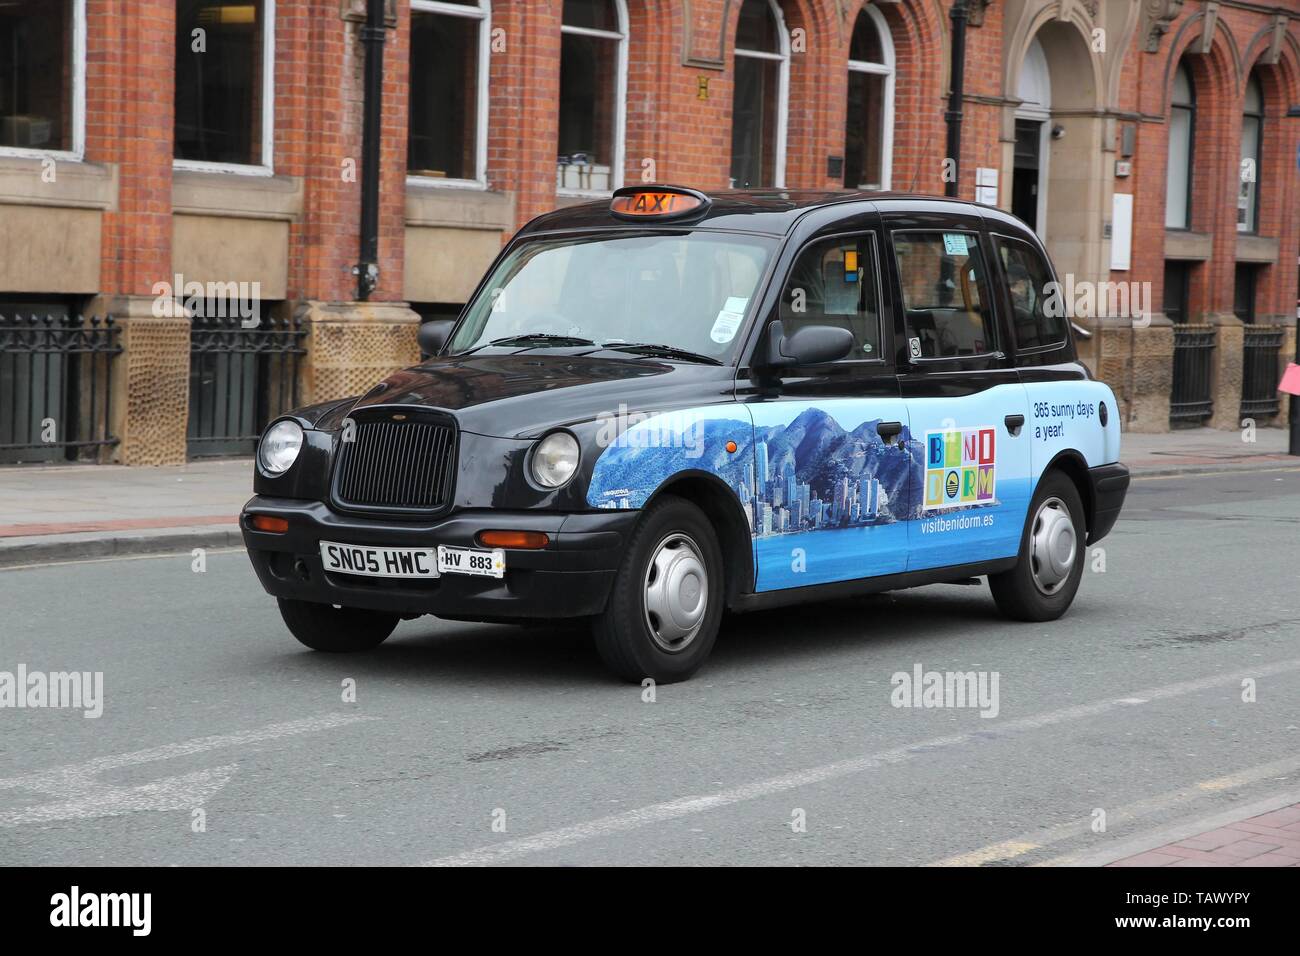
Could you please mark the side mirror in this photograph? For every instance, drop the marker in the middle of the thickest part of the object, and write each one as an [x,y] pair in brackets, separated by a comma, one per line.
[810,345]
[432,336]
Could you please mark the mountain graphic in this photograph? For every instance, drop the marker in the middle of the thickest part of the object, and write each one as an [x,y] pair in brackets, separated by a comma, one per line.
[821,451]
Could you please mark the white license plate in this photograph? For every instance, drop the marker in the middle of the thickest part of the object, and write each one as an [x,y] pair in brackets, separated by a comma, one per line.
[491,564]
[379,562]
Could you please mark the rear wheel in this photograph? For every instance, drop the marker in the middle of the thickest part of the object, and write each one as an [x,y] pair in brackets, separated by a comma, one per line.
[664,608]
[1046,577]
[337,630]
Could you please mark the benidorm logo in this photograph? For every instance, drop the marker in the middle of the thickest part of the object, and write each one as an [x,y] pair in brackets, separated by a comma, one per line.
[960,467]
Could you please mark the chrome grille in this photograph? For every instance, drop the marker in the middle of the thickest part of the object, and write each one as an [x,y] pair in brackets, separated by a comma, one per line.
[397,466]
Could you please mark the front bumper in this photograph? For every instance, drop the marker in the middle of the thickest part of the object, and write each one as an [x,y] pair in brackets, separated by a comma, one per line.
[1109,484]
[570,577]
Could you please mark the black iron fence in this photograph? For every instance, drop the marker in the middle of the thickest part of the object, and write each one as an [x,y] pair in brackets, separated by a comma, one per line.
[56,387]
[1260,368]
[1193,395]
[240,378]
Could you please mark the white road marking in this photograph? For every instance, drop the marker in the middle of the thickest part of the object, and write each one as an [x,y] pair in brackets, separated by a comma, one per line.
[184,792]
[82,796]
[685,806]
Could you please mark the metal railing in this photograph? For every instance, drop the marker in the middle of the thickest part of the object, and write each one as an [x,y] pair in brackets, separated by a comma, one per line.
[240,378]
[1261,353]
[56,387]
[1193,396]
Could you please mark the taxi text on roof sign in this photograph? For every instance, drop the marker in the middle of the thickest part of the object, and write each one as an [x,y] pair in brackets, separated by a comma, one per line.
[655,202]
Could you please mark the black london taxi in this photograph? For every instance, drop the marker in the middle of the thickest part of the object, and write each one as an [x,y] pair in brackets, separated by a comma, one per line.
[660,407]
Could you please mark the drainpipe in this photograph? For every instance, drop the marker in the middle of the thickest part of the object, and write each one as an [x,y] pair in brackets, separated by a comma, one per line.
[958,16]
[373,37]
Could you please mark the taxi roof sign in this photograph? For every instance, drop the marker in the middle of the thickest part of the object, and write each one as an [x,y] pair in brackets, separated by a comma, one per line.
[656,202]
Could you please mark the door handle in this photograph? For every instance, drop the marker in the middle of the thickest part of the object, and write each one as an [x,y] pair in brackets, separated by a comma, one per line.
[1014,424]
[889,430]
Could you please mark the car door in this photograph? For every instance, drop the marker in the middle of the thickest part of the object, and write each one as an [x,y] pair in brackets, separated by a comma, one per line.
[964,398]
[830,481]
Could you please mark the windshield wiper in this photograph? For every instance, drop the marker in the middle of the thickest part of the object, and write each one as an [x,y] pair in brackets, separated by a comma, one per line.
[667,351]
[533,339]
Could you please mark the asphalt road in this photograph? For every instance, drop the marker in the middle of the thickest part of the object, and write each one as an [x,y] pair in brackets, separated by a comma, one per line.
[1131,705]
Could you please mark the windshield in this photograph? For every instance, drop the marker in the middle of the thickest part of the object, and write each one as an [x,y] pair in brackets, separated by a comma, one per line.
[689,291]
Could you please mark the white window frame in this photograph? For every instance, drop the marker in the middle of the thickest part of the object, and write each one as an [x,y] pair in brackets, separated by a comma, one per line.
[887,70]
[1251,225]
[783,88]
[1188,161]
[483,14]
[620,96]
[267,166]
[78,73]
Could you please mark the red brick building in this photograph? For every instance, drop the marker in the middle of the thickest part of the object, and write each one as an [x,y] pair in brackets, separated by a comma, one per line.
[162,160]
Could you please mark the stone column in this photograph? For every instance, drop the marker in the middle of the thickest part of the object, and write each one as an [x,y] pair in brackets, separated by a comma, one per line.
[1226,371]
[149,403]
[352,345]
[1138,365]
[1283,418]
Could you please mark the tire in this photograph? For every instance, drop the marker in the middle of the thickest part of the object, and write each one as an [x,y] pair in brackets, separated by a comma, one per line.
[336,630]
[1043,583]
[672,562]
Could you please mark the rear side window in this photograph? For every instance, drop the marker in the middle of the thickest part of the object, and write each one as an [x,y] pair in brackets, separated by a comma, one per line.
[1036,315]
[834,282]
[945,294]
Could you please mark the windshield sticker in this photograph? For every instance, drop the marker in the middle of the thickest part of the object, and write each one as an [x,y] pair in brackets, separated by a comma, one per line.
[850,265]
[728,320]
[954,243]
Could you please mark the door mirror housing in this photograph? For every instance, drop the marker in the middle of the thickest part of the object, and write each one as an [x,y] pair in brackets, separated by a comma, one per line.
[810,345]
[432,336]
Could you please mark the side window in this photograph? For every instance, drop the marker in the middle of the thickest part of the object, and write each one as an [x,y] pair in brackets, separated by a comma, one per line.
[835,282]
[1035,315]
[945,294]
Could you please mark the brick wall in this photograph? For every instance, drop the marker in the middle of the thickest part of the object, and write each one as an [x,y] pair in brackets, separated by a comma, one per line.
[130,63]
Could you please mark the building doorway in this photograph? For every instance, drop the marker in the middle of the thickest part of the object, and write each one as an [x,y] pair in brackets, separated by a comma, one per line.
[1033,127]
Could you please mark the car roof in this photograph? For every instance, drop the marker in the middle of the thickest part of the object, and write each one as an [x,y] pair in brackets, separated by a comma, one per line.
[770,211]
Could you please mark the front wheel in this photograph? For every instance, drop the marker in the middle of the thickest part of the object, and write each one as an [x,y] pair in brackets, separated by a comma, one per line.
[666,603]
[1046,577]
[337,630]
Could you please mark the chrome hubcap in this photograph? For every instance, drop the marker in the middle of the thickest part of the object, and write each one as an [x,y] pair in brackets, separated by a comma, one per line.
[676,592]
[1053,546]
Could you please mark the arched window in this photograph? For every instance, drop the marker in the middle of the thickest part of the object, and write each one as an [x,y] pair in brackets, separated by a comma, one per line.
[1252,129]
[446,142]
[869,129]
[1178,181]
[758,103]
[593,96]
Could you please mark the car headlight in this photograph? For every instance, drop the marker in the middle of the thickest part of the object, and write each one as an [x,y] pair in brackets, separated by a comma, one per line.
[555,459]
[280,447]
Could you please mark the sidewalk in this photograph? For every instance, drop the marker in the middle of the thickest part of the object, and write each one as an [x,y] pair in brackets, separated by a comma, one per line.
[1269,839]
[1194,450]
[71,512]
